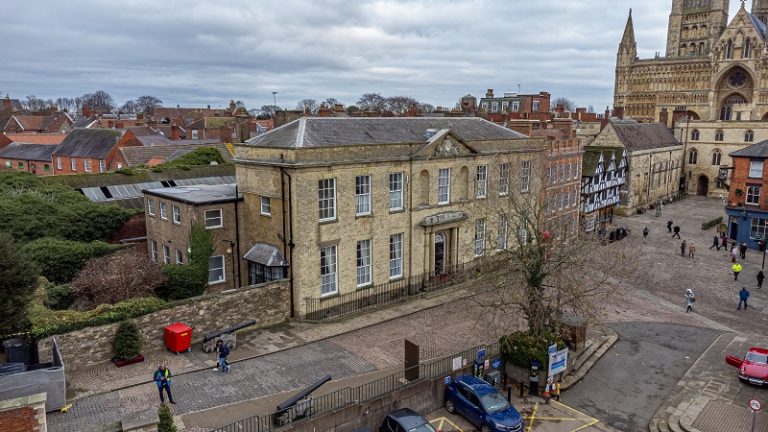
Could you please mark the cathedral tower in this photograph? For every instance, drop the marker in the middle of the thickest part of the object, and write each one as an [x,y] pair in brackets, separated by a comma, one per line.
[760,9]
[695,25]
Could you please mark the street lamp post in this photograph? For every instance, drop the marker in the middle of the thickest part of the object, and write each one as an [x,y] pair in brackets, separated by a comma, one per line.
[230,251]
[274,100]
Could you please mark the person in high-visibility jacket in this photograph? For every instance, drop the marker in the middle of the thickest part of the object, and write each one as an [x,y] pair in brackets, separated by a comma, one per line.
[163,381]
[736,268]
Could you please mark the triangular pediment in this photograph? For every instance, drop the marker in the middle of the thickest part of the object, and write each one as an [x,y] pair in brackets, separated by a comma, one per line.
[445,144]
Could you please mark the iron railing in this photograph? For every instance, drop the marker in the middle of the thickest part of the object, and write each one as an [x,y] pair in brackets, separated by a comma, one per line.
[320,309]
[347,396]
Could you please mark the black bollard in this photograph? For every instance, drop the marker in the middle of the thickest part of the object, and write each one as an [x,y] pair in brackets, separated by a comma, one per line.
[522,390]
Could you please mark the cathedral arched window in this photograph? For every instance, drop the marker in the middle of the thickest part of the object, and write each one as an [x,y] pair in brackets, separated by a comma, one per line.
[749,136]
[747,49]
[695,135]
[719,135]
[729,49]
[692,156]
[716,156]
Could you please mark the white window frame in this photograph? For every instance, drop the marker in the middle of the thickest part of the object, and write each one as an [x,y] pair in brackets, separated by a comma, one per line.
[212,269]
[102,165]
[481,181]
[759,227]
[535,106]
[752,195]
[58,163]
[150,206]
[363,195]
[396,191]
[163,210]
[176,212]
[87,165]
[568,172]
[503,235]
[444,186]
[396,256]
[504,179]
[756,168]
[523,233]
[212,218]
[363,261]
[479,237]
[329,271]
[195,134]
[179,257]
[567,199]
[525,175]
[265,206]
[326,192]
[73,164]
[494,106]
[166,254]
[153,250]
[516,106]
[575,170]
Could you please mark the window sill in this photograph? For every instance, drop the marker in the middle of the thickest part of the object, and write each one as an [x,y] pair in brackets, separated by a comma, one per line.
[214,227]
[266,214]
[394,211]
[327,221]
[364,216]
[396,278]
[368,285]
[217,282]
[328,295]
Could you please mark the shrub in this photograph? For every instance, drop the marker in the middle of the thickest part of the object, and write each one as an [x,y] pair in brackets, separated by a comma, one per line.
[183,281]
[18,280]
[127,342]
[713,222]
[199,156]
[520,347]
[120,276]
[166,419]
[58,297]
[60,260]
[46,322]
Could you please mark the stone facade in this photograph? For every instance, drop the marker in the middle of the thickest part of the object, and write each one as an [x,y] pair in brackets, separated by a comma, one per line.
[708,145]
[710,72]
[268,304]
[170,233]
[427,229]
[23,414]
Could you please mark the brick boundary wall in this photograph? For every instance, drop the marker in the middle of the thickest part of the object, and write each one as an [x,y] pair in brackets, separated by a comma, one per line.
[23,414]
[267,304]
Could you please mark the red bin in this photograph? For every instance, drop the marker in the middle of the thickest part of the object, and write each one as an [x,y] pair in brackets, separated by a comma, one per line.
[178,337]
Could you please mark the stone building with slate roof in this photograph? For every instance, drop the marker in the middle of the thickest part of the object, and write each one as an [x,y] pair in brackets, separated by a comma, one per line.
[654,159]
[357,203]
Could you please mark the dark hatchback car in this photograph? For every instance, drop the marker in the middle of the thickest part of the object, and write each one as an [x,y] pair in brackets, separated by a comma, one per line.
[482,405]
[405,420]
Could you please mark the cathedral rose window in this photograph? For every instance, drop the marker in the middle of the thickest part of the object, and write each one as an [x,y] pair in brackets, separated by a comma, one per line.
[737,78]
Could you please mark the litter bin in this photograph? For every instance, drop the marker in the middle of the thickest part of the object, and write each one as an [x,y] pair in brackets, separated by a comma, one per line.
[16,351]
[178,337]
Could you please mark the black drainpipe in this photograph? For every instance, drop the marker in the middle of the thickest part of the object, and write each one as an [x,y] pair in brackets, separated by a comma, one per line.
[288,245]
[237,239]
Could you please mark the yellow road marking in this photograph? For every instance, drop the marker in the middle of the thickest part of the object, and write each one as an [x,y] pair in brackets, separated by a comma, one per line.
[591,420]
[442,422]
[532,418]
[592,423]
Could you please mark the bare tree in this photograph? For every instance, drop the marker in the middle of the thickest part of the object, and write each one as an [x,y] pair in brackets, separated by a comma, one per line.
[34,103]
[372,102]
[308,105]
[99,101]
[567,103]
[266,111]
[426,108]
[331,102]
[399,104]
[147,104]
[129,107]
[118,276]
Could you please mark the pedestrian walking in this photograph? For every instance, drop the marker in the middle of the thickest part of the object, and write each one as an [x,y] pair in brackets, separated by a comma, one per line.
[743,250]
[645,233]
[683,245]
[736,268]
[163,381]
[222,351]
[743,296]
[691,250]
[690,299]
[669,226]
[677,232]
[715,243]
[557,390]
[725,242]
[733,254]
[760,278]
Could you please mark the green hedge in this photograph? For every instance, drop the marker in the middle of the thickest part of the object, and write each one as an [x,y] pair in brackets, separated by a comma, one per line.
[47,322]
[710,223]
[61,260]
[520,347]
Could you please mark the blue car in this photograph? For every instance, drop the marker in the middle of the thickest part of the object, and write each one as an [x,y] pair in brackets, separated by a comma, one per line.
[482,405]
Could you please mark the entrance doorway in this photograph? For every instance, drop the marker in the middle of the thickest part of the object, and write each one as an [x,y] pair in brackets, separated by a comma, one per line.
[703,186]
[439,253]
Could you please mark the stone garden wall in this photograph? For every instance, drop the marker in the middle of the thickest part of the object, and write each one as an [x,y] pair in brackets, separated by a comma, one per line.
[268,304]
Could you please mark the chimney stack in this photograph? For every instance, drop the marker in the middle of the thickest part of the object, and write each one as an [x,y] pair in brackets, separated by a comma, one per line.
[489,93]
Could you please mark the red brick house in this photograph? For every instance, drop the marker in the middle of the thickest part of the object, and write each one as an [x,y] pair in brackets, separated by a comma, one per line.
[88,151]
[56,123]
[747,208]
[34,158]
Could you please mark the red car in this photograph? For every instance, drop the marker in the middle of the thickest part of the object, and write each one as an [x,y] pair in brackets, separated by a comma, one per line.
[754,368]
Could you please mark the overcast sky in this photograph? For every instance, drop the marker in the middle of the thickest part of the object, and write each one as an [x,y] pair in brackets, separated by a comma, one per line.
[196,53]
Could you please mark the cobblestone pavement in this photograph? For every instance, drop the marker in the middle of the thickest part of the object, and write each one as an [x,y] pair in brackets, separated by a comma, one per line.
[660,295]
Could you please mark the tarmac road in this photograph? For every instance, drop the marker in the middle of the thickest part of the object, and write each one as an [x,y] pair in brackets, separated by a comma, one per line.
[631,381]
